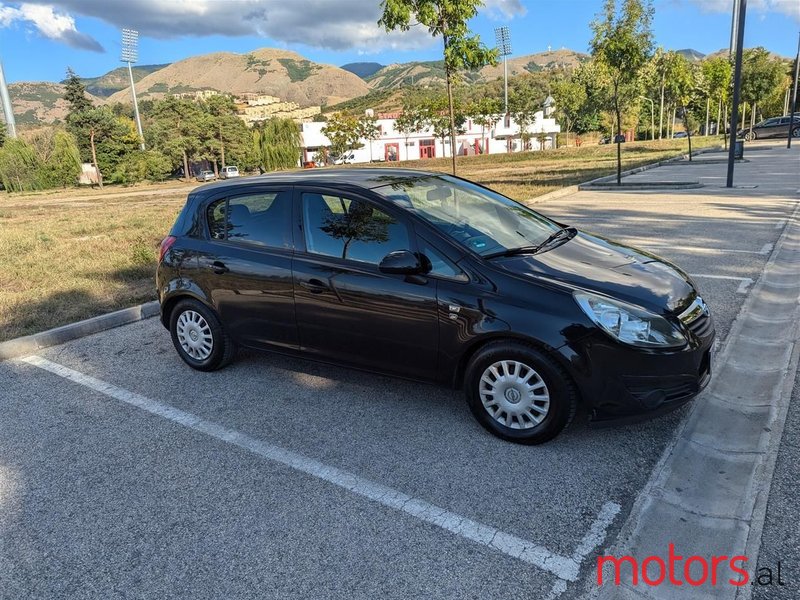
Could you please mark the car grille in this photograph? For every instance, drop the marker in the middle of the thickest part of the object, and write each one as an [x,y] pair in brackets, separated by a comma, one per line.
[697,319]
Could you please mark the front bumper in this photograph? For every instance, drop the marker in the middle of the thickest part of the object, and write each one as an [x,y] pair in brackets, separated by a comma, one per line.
[619,383]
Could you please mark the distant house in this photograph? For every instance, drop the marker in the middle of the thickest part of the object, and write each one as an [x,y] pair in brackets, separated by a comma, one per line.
[392,145]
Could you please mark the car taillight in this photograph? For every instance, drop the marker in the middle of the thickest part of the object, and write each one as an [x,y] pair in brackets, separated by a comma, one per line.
[166,244]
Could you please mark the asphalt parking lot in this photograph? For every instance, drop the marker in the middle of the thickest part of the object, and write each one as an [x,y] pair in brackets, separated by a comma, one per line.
[124,474]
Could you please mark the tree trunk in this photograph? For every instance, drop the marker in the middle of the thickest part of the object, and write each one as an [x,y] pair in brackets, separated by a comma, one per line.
[619,133]
[661,112]
[94,160]
[216,171]
[688,132]
[744,116]
[719,116]
[186,176]
[222,153]
[725,127]
[753,115]
[708,111]
[452,119]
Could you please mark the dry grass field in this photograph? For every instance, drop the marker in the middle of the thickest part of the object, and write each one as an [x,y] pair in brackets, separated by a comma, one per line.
[69,255]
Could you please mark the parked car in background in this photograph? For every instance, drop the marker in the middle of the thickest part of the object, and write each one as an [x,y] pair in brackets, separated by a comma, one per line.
[206,176]
[434,278]
[229,172]
[776,127]
[680,134]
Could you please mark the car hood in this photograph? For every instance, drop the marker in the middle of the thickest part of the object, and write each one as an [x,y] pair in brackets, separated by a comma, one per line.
[594,263]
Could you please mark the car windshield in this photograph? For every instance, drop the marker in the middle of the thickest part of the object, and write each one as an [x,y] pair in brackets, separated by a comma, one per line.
[475,217]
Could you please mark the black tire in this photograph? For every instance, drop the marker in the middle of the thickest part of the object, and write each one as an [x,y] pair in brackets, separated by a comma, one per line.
[223,349]
[796,132]
[562,394]
[750,136]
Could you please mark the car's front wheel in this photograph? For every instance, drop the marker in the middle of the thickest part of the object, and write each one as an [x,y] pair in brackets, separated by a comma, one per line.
[199,337]
[519,393]
[750,136]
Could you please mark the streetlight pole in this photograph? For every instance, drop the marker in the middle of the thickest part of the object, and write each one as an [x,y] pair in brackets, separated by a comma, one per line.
[741,8]
[502,38]
[652,117]
[8,110]
[794,94]
[130,54]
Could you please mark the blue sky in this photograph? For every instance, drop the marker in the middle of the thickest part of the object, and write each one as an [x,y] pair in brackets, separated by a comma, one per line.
[39,39]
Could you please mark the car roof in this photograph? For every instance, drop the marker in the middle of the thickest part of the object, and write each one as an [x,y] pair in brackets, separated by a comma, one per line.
[366,178]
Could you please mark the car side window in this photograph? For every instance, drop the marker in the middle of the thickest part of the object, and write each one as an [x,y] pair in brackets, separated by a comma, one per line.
[350,229]
[260,219]
[440,265]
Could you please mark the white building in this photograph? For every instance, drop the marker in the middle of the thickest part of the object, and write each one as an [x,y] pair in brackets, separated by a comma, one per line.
[502,136]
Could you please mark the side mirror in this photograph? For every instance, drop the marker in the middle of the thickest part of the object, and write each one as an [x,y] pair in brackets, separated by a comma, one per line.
[400,262]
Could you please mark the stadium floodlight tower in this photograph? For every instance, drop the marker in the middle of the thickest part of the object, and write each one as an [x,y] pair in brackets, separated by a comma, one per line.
[130,54]
[8,110]
[503,40]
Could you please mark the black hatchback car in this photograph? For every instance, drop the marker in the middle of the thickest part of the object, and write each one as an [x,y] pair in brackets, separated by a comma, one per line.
[434,278]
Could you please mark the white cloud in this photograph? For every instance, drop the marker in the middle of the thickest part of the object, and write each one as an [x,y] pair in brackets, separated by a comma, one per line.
[49,23]
[330,24]
[790,8]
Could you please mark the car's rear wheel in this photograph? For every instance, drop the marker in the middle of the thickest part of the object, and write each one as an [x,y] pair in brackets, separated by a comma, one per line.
[750,136]
[519,393]
[796,132]
[199,337]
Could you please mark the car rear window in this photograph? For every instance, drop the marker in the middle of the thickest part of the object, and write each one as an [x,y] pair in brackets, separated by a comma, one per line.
[259,219]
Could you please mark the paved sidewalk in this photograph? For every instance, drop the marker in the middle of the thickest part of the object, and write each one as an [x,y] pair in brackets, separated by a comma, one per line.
[708,495]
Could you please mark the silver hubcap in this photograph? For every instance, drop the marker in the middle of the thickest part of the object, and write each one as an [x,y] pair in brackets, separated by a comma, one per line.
[514,394]
[194,335]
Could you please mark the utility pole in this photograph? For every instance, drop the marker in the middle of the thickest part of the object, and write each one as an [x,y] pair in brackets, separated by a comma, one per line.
[503,40]
[8,110]
[740,9]
[130,54]
[794,94]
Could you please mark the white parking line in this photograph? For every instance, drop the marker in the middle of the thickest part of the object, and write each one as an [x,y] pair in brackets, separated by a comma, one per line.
[765,249]
[744,282]
[563,567]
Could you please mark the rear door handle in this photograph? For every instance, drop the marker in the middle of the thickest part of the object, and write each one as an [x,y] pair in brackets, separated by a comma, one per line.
[218,267]
[315,286]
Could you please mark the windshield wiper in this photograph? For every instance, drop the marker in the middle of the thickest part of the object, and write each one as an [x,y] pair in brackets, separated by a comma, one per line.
[556,235]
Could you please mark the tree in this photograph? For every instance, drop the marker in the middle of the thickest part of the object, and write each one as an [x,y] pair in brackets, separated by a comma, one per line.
[435,115]
[410,121]
[75,93]
[368,130]
[570,97]
[524,102]
[685,89]
[717,73]
[277,143]
[20,169]
[344,132]
[461,49]
[761,74]
[176,129]
[3,133]
[485,113]
[62,166]
[622,44]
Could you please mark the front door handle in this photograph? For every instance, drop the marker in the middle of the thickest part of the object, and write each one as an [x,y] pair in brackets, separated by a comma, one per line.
[315,286]
[218,267]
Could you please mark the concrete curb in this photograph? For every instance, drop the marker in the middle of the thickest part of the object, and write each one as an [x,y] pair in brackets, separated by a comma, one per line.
[30,344]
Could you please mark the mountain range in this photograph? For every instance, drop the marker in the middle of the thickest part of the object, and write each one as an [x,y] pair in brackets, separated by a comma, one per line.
[275,72]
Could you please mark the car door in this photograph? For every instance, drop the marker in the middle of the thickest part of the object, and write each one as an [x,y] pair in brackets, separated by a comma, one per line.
[347,310]
[248,266]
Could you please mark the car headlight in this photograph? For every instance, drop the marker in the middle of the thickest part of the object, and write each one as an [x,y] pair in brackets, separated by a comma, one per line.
[630,324]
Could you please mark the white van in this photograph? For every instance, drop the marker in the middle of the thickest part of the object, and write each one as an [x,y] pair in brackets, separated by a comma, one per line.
[229,172]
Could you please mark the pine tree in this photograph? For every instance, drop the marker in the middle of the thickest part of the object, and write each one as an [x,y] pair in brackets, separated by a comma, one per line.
[75,93]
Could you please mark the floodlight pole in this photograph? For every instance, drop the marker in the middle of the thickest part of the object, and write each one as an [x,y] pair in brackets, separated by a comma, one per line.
[503,42]
[740,7]
[130,42]
[794,94]
[505,84]
[8,110]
